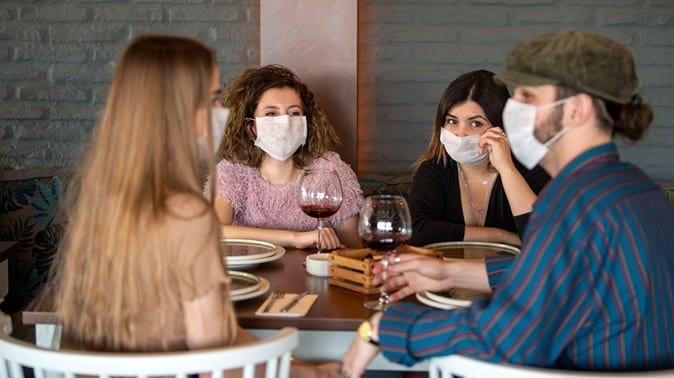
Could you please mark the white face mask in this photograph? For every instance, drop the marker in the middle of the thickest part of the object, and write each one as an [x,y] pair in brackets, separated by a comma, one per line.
[280,136]
[519,120]
[218,123]
[464,150]
[219,118]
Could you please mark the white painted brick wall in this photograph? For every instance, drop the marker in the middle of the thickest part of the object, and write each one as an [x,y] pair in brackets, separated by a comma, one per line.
[56,60]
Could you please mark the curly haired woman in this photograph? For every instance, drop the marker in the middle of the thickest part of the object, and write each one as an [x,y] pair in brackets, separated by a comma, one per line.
[276,129]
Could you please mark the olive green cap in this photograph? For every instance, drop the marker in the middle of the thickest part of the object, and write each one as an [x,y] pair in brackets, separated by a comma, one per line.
[589,62]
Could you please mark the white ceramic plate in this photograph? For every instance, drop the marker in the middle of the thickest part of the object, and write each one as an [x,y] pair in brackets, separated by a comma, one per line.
[264,287]
[252,263]
[448,300]
[423,298]
[247,249]
[267,252]
[242,283]
[472,249]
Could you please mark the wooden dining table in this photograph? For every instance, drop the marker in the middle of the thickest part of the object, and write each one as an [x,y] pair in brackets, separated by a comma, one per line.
[328,328]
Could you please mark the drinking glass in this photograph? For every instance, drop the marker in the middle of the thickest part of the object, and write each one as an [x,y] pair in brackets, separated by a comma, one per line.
[384,225]
[320,196]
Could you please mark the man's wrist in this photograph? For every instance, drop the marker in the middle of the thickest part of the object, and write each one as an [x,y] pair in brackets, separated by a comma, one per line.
[374,320]
[368,330]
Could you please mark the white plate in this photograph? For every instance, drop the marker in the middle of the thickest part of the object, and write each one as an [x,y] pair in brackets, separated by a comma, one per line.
[247,249]
[472,249]
[242,283]
[423,298]
[447,300]
[252,263]
[249,253]
[264,287]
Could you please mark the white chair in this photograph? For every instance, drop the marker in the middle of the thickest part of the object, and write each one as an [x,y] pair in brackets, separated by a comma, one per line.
[466,367]
[273,353]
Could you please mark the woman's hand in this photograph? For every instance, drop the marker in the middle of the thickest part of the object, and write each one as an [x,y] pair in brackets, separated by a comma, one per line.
[496,141]
[413,273]
[308,239]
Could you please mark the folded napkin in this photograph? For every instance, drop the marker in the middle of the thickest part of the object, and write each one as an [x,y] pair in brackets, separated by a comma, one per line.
[299,309]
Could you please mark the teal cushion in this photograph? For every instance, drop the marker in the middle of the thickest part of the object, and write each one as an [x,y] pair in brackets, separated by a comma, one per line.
[29,214]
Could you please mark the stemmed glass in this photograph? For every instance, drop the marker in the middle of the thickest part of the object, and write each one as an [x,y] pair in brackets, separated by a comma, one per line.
[320,196]
[384,225]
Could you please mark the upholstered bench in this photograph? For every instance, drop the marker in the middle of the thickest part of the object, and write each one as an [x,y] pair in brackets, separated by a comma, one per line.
[30,201]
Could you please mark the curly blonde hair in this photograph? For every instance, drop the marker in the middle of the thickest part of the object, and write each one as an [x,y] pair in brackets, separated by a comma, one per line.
[242,96]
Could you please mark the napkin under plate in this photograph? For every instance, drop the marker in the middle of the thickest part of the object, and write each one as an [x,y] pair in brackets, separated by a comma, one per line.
[299,309]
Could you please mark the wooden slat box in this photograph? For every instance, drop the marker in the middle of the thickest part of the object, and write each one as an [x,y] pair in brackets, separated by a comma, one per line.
[352,268]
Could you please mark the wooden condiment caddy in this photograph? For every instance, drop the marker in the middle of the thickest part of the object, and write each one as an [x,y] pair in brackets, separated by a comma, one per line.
[352,268]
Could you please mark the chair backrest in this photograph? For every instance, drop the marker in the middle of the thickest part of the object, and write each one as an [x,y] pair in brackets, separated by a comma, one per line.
[466,367]
[273,353]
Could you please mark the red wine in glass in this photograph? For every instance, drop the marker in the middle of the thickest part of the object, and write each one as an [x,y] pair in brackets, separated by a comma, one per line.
[384,225]
[320,196]
[320,211]
[385,241]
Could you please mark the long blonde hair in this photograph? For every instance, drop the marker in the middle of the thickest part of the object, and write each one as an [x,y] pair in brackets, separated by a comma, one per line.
[143,152]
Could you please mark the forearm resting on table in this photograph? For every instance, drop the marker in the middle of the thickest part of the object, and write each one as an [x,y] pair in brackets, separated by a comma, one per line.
[491,234]
[283,238]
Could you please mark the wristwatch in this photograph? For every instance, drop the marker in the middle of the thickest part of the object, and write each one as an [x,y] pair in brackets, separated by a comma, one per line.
[365,333]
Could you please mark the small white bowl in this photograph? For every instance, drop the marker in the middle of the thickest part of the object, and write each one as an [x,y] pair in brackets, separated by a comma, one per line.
[318,264]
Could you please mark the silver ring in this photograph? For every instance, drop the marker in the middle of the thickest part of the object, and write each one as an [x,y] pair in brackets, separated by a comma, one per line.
[345,374]
[396,259]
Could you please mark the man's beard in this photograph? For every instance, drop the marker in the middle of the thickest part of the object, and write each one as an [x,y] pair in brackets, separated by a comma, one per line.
[551,126]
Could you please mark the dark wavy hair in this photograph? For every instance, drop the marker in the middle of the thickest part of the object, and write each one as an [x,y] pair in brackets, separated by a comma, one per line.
[630,120]
[242,96]
[478,86]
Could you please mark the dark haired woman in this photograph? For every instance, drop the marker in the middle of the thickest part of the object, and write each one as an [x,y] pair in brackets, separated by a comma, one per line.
[467,186]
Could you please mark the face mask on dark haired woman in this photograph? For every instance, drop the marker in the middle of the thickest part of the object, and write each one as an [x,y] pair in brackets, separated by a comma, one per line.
[464,150]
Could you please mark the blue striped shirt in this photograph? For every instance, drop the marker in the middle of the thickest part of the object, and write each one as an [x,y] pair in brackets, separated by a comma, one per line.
[593,288]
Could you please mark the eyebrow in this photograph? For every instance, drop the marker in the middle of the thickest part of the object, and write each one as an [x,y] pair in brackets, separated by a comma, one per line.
[278,107]
[216,94]
[469,118]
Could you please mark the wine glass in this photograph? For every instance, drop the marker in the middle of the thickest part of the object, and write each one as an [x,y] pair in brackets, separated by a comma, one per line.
[384,225]
[320,196]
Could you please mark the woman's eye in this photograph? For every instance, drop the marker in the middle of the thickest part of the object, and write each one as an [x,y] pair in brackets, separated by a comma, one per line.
[476,125]
[270,114]
[450,121]
[296,113]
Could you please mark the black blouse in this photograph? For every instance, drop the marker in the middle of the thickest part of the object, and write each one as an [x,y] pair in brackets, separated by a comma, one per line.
[435,203]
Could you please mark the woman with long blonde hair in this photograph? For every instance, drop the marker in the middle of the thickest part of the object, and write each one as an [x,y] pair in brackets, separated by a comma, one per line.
[135,271]
[140,267]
